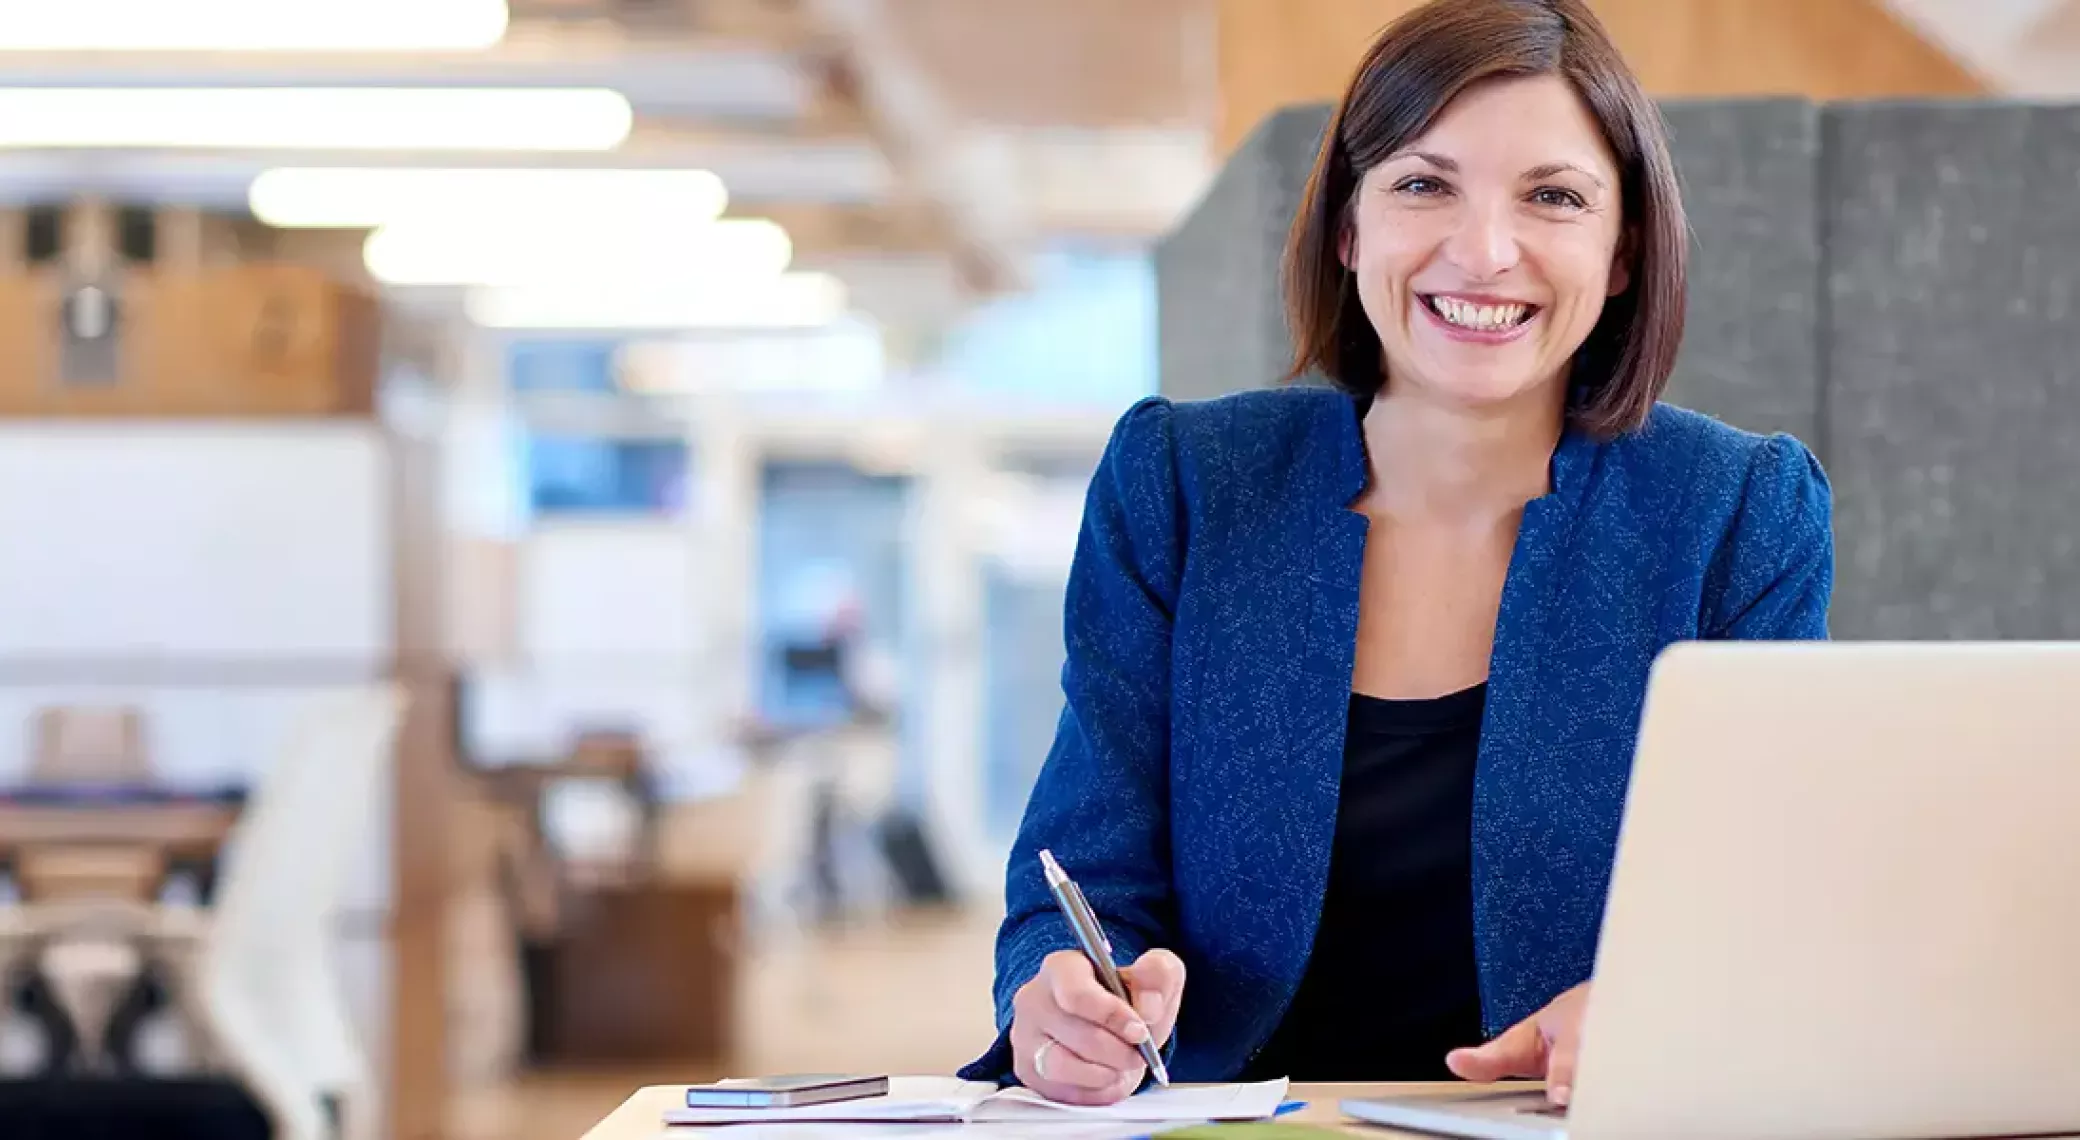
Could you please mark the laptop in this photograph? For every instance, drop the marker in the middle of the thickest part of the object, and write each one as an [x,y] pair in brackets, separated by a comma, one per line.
[1846,904]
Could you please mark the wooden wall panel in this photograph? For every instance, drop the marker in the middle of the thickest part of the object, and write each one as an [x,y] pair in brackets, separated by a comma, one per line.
[425,789]
[1273,53]
[1822,49]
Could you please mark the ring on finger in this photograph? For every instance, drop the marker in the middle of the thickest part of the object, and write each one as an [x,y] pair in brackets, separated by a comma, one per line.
[1040,1058]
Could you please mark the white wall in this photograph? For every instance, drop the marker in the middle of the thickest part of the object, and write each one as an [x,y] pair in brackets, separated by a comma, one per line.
[183,542]
[214,575]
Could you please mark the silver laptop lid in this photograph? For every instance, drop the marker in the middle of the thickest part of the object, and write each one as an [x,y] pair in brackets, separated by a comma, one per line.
[1847,898]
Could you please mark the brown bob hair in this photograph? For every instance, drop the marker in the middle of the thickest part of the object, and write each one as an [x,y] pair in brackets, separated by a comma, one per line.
[1419,64]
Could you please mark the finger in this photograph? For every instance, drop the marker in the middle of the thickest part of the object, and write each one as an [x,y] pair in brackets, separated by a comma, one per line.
[1024,1050]
[1079,995]
[1069,1094]
[1157,983]
[1560,1064]
[1519,1052]
[1158,1011]
[1092,1042]
[1150,1005]
[1066,1066]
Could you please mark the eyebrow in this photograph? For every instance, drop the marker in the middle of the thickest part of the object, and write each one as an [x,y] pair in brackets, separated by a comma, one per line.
[1545,170]
[1551,168]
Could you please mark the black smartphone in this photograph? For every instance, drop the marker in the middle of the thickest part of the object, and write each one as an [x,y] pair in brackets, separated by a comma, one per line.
[785,1092]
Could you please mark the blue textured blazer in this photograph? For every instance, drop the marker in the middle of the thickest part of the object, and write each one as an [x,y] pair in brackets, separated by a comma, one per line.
[1211,625]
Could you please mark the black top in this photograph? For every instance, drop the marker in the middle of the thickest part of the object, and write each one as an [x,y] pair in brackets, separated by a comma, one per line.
[1391,985]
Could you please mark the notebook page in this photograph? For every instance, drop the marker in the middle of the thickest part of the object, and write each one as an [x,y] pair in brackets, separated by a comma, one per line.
[1068,1128]
[1258,1101]
[908,1099]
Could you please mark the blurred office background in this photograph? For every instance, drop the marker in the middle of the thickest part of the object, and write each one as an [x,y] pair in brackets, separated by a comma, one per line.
[536,529]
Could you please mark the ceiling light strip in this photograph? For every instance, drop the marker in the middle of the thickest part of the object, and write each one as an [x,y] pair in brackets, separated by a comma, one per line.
[314,118]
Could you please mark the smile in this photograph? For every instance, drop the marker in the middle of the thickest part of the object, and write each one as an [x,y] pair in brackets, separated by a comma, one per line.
[1479,317]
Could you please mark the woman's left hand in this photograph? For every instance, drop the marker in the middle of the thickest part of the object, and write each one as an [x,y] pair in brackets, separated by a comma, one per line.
[1543,1045]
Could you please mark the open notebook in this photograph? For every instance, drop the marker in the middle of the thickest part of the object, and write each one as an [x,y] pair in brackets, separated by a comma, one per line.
[946,1100]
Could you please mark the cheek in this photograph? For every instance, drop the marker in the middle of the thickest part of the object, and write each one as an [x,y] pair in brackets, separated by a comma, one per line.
[1581,268]
[1394,249]
[1384,268]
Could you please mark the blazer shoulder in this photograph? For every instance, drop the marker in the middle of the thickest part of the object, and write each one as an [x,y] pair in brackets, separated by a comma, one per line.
[1252,427]
[1241,454]
[1677,439]
[1673,430]
[1770,480]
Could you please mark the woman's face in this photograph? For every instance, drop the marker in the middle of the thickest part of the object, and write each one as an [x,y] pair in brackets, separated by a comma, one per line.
[1484,249]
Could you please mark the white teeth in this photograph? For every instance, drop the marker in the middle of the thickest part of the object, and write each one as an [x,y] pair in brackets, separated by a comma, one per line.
[1487,318]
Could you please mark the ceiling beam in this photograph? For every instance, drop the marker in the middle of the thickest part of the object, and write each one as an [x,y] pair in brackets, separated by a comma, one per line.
[776,23]
[923,142]
[1069,63]
[824,233]
[2058,31]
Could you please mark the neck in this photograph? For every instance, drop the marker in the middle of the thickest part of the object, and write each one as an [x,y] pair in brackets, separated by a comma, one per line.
[1435,460]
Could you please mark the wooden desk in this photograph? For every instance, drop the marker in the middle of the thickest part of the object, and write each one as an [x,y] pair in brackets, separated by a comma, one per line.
[114,849]
[179,829]
[640,1115]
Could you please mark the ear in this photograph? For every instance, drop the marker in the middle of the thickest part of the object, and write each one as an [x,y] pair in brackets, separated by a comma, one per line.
[1347,243]
[1621,262]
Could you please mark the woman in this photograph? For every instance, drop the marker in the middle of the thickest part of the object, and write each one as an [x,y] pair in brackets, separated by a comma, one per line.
[1354,674]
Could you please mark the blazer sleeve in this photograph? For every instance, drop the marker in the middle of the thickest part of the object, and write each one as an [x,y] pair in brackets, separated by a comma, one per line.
[1776,574]
[1101,801]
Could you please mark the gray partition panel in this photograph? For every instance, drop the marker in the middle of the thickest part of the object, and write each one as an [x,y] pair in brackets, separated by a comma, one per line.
[1953,239]
[1220,322]
[1750,176]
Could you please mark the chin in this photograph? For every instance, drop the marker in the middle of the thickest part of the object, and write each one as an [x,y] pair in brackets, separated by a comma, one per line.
[1478,391]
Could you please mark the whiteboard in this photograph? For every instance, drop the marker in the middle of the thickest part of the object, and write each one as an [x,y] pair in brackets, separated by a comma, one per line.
[209,541]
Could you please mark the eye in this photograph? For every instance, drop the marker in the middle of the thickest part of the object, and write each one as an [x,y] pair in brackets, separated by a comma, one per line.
[1559,197]
[1420,185]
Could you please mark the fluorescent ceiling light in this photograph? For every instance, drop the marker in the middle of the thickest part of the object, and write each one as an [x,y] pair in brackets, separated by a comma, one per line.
[794,300]
[315,118]
[252,25]
[364,198]
[602,252]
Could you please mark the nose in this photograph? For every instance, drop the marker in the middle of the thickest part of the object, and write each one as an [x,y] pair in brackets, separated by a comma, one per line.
[1484,243]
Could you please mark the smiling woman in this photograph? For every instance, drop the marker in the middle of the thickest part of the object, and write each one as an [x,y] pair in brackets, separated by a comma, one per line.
[1354,674]
[1475,147]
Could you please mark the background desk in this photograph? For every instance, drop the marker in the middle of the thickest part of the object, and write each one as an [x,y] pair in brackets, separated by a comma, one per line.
[122,848]
[638,1117]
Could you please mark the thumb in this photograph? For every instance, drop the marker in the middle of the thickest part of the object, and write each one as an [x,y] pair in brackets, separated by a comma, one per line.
[1156,980]
[1519,1052]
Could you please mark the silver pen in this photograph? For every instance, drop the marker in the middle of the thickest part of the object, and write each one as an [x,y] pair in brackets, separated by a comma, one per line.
[1091,937]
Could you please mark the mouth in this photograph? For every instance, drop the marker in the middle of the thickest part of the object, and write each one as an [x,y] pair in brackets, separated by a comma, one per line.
[1485,320]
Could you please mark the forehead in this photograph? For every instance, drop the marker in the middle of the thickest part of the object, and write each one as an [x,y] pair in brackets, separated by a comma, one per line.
[1515,124]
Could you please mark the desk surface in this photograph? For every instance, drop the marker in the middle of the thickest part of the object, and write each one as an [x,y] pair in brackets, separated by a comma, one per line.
[198,827]
[640,1116]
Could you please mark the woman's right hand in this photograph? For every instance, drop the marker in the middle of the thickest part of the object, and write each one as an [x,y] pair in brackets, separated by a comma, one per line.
[1072,1041]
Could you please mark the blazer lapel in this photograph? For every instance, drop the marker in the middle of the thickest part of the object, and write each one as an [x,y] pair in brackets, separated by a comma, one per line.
[1513,752]
[1327,540]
